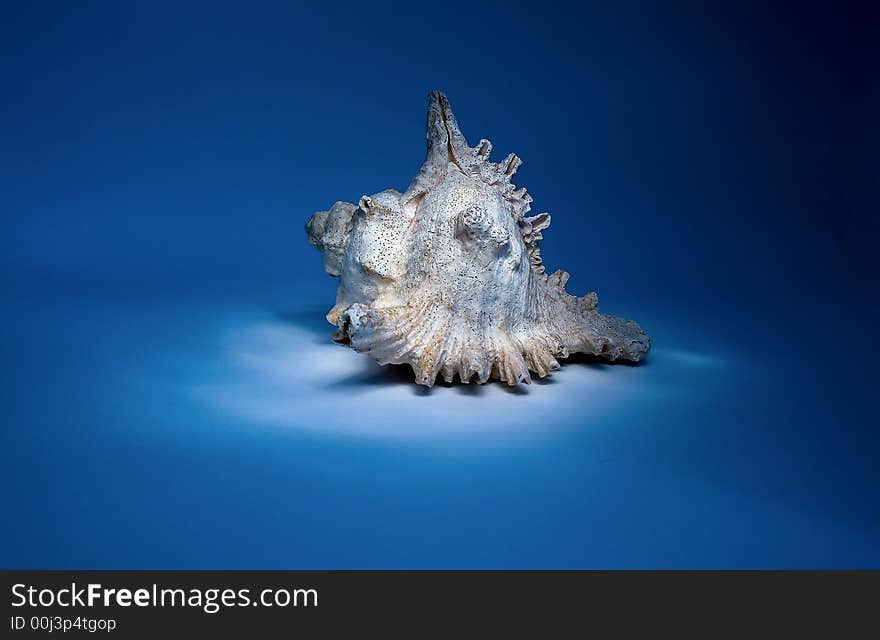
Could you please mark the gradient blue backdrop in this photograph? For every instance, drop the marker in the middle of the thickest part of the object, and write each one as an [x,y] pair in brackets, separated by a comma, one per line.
[169,395]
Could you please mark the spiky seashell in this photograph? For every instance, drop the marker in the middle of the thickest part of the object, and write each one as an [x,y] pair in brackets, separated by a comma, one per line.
[447,277]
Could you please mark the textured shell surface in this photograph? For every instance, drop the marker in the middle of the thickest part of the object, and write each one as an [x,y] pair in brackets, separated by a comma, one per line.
[448,278]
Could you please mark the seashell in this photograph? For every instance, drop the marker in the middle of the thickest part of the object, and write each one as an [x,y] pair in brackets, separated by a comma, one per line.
[448,277]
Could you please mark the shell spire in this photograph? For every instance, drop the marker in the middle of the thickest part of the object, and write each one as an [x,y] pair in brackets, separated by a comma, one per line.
[447,144]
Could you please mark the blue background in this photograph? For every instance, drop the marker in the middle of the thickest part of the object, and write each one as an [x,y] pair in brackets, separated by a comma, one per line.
[170,395]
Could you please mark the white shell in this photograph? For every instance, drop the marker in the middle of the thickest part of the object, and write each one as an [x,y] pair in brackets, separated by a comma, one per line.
[447,277]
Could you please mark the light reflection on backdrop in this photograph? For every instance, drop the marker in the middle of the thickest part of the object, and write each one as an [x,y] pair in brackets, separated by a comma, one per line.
[276,373]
